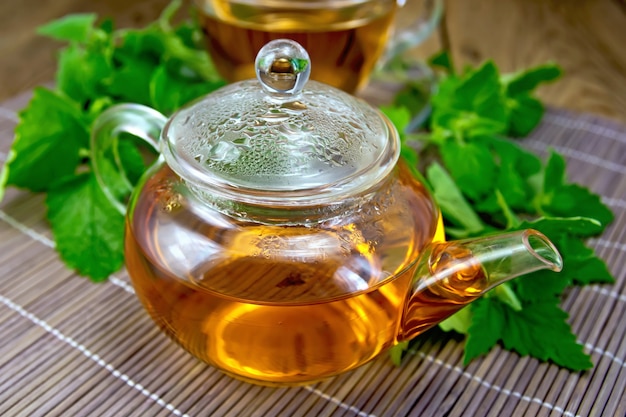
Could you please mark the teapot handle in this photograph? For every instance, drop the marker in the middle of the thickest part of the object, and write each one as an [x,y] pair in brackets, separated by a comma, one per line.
[135,119]
[414,23]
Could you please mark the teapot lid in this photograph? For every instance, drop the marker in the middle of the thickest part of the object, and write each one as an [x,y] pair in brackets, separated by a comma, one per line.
[281,135]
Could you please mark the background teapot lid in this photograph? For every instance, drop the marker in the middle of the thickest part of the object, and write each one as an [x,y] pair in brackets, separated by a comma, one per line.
[280,133]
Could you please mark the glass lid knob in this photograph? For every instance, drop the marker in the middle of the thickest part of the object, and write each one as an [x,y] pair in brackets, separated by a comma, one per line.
[283,67]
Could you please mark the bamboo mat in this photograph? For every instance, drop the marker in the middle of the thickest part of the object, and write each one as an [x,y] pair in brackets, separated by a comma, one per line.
[69,347]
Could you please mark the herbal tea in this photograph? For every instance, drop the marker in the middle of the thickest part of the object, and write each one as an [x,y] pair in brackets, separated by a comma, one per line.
[344,39]
[278,304]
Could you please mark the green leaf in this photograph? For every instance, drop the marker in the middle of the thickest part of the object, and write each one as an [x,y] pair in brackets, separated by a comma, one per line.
[488,322]
[560,199]
[400,116]
[133,163]
[451,201]
[541,331]
[541,285]
[397,352]
[471,105]
[459,322]
[48,142]
[471,165]
[509,152]
[81,73]
[507,296]
[575,200]
[555,227]
[514,169]
[554,176]
[442,60]
[513,187]
[130,80]
[122,168]
[73,28]
[480,92]
[87,229]
[525,114]
[527,80]
[169,92]
[581,265]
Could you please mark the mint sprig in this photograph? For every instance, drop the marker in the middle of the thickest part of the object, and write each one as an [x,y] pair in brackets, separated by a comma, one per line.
[484,181]
[161,65]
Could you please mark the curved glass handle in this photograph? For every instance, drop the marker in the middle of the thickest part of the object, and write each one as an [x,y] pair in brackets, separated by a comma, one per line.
[107,157]
[415,21]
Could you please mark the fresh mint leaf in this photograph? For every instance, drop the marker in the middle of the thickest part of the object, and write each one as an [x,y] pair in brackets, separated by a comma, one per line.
[470,105]
[527,80]
[580,264]
[98,68]
[459,321]
[169,92]
[554,176]
[82,72]
[525,110]
[560,199]
[87,229]
[400,116]
[573,199]
[454,206]
[513,186]
[526,163]
[472,111]
[480,93]
[539,330]
[512,220]
[130,80]
[160,43]
[514,169]
[133,163]
[397,352]
[554,227]
[541,285]
[72,28]
[49,144]
[471,165]
[487,325]
[121,168]
[525,114]
[442,60]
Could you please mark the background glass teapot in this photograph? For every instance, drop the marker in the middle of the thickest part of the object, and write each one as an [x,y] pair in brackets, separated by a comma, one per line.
[280,239]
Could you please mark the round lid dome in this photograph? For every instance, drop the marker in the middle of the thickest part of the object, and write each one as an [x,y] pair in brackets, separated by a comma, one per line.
[281,134]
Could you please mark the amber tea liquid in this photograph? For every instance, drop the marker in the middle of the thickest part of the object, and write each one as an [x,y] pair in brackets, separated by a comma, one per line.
[326,299]
[344,39]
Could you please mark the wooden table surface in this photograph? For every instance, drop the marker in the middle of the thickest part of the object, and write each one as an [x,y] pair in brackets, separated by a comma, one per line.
[587,38]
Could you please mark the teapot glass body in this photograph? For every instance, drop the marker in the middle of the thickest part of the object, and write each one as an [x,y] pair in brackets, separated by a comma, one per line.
[278,304]
[279,237]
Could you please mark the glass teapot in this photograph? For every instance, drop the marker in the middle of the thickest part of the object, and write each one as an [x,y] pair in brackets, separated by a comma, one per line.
[279,238]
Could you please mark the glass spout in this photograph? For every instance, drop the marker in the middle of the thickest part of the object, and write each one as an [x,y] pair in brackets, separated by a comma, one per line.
[450,275]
